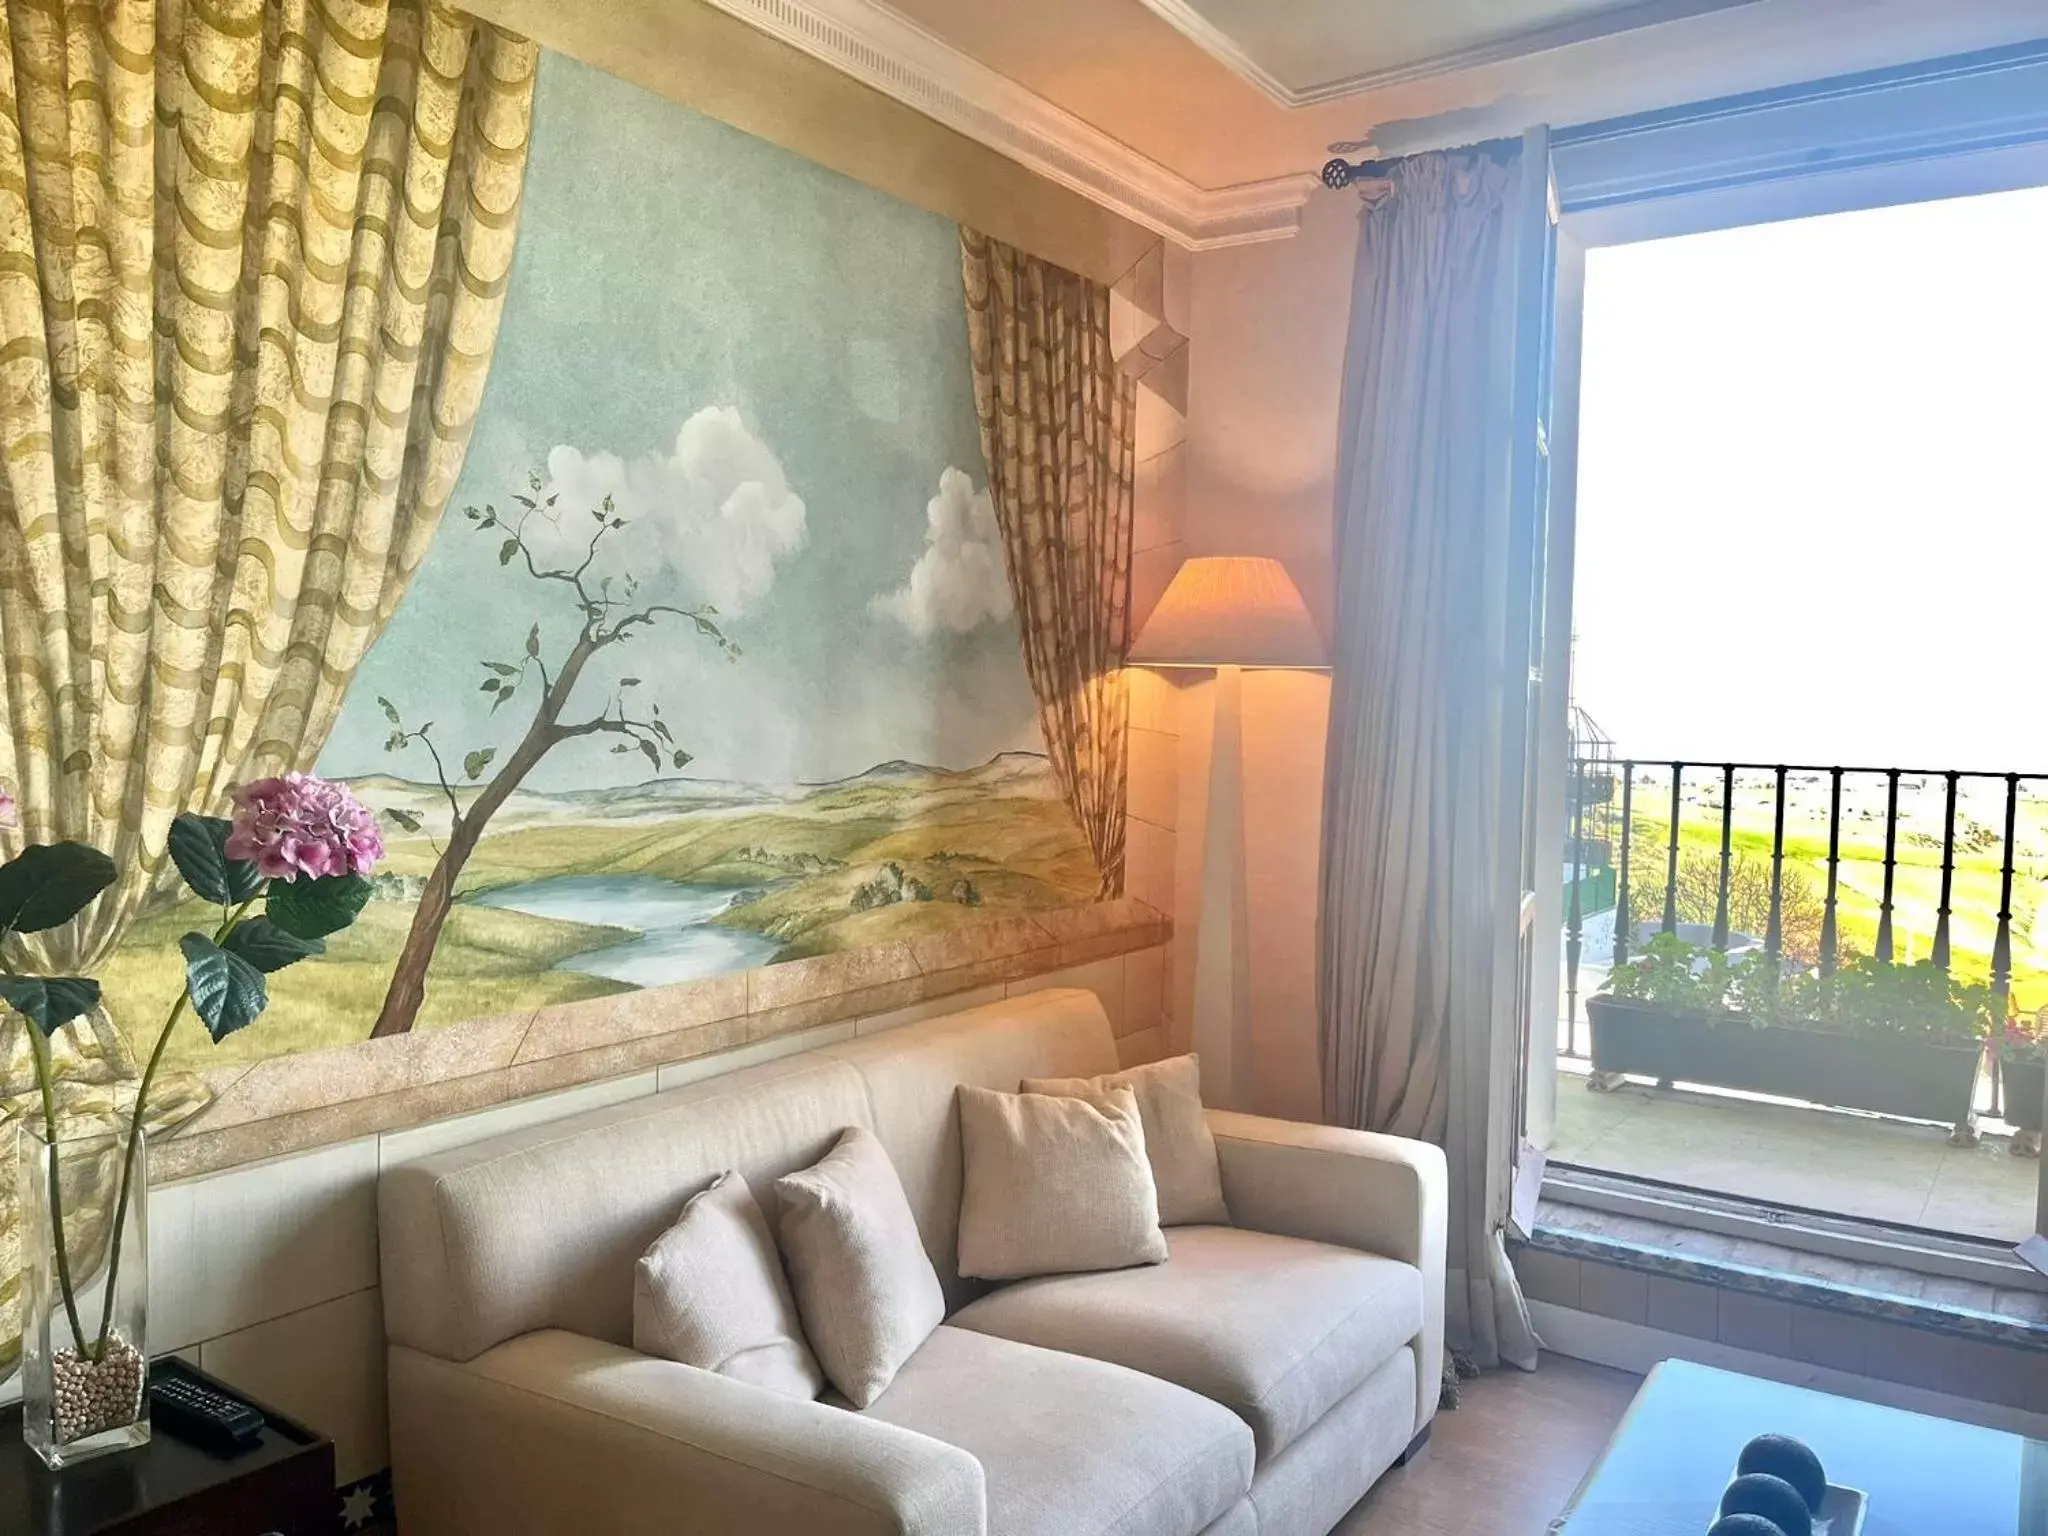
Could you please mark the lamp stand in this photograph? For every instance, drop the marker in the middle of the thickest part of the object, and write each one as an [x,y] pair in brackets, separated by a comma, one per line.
[1222,1003]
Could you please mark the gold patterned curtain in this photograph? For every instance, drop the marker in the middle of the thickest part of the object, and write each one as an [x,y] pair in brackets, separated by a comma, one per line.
[252,261]
[1058,424]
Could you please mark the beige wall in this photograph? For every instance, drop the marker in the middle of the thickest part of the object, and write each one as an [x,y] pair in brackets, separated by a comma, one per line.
[1255,476]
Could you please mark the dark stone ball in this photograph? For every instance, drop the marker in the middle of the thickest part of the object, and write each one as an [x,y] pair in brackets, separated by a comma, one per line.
[1782,1456]
[1743,1525]
[1759,1493]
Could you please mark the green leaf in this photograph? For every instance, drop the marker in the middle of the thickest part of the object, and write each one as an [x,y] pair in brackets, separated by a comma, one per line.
[312,909]
[533,641]
[503,669]
[477,761]
[199,847]
[660,729]
[228,993]
[390,710]
[490,685]
[629,682]
[507,550]
[653,755]
[50,1002]
[268,947]
[503,695]
[50,883]
[682,757]
[405,819]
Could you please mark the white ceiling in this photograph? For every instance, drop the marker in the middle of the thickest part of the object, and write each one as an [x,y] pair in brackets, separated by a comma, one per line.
[1207,119]
[1123,68]
[1304,51]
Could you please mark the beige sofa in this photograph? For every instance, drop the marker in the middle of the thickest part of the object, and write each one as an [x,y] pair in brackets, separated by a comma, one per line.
[1258,1381]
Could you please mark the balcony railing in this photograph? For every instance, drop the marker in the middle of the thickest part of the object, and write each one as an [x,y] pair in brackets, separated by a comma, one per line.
[1627,840]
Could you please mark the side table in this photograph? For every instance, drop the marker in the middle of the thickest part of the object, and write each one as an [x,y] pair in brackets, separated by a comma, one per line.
[281,1486]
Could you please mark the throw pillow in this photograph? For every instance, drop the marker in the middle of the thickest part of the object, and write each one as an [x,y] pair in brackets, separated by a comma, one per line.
[711,1293]
[1054,1185]
[864,1286]
[1177,1138]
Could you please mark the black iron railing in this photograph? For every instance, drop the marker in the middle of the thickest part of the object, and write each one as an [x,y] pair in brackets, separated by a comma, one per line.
[1598,780]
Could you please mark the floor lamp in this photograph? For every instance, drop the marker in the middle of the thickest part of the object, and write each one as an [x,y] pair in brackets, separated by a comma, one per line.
[1226,614]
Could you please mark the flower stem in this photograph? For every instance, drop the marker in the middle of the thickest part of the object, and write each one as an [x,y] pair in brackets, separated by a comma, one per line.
[156,1057]
[39,1049]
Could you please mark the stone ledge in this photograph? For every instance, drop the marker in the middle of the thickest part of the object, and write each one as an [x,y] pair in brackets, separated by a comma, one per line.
[315,1098]
[1885,1293]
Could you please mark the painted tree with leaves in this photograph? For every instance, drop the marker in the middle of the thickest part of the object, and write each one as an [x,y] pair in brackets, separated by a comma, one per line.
[611,614]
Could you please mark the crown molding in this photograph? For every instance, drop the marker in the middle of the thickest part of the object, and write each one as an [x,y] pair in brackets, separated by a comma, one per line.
[892,54]
[1225,49]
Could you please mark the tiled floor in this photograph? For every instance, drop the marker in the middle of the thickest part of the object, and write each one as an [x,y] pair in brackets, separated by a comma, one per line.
[1854,1165]
[1505,1462]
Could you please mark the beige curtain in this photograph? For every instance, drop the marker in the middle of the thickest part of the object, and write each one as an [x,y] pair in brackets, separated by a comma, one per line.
[252,261]
[1058,421]
[1416,1029]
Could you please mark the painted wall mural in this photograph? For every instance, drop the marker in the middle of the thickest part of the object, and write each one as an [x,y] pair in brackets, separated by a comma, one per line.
[716,664]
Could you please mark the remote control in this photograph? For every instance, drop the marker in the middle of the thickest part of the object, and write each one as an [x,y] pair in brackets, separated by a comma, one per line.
[209,1419]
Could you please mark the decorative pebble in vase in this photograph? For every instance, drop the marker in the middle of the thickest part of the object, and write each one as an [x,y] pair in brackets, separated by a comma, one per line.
[85,1323]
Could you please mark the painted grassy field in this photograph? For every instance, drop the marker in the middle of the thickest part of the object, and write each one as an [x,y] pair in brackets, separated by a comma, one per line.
[898,852]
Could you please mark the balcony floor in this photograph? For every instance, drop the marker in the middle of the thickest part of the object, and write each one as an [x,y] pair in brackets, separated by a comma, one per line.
[1827,1160]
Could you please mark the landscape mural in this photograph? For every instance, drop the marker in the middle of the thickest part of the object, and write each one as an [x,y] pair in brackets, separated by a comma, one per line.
[713,661]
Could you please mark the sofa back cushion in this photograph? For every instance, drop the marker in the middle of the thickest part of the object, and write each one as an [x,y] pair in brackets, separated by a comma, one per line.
[542,1228]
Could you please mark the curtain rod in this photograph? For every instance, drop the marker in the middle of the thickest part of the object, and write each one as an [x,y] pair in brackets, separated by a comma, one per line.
[1341,173]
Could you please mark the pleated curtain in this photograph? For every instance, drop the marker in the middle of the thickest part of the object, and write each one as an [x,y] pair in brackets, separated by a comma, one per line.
[1411,1037]
[252,262]
[1058,431]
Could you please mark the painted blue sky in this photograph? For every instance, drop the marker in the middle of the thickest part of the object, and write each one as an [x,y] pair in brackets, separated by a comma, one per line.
[765,364]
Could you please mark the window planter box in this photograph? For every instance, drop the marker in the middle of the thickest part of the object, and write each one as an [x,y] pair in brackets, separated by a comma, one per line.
[1909,1078]
[2023,1089]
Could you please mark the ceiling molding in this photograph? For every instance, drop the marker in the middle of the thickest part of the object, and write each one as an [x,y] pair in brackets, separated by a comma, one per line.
[882,49]
[1226,50]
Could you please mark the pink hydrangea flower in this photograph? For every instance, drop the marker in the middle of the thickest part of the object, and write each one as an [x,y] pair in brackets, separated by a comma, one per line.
[303,825]
[8,815]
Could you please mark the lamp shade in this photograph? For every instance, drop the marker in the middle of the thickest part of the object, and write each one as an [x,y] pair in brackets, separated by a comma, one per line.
[1230,610]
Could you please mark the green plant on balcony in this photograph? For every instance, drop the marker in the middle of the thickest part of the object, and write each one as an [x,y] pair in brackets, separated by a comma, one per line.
[2026,1038]
[1920,1001]
[1675,975]
[1865,996]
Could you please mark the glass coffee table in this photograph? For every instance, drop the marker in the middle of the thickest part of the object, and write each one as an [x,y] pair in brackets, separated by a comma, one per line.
[1663,1471]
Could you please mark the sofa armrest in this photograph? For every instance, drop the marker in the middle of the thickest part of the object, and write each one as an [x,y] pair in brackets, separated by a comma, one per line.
[553,1432]
[1379,1194]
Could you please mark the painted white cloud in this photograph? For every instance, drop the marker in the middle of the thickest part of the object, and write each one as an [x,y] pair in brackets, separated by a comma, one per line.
[958,583]
[718,508]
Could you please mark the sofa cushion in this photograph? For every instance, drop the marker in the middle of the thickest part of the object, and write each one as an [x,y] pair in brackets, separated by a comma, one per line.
[1054,1185]
[1276,1329]
[1178,1142]
[864,1287]
[911,1075]
[1070,1446]
[711,1293]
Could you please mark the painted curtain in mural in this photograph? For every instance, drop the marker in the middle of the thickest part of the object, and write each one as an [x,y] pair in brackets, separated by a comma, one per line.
[731,415]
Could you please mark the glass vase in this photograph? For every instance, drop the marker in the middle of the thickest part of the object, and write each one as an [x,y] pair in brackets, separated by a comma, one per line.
[85,1357]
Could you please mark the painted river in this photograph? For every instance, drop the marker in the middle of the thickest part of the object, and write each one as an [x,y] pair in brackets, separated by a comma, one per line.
[675,938]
